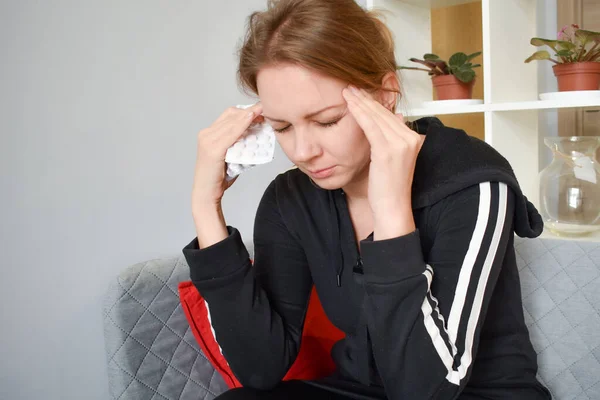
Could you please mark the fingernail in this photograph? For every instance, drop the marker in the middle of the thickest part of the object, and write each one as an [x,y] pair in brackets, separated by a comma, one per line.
[353,89]
[251,115]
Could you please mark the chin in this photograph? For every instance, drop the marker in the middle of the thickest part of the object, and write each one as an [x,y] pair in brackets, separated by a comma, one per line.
[332,183]
[328,185]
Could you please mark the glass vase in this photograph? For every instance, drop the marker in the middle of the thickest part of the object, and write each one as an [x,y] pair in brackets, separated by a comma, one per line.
[570,186]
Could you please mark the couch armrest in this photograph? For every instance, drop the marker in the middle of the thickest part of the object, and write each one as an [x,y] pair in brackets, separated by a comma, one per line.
[151,351]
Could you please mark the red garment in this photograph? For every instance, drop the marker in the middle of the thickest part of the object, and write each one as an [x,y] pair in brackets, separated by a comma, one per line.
[318,337]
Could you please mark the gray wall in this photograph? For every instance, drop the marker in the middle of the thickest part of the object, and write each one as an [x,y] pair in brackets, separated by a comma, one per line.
[101,103]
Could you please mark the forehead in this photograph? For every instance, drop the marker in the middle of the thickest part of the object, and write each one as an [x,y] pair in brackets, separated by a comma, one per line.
[287,91]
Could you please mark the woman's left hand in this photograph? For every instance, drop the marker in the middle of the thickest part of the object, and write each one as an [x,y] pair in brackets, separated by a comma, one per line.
[394,150]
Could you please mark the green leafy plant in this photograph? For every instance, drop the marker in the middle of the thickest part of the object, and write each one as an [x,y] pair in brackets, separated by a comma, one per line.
[459,65]
[572,45]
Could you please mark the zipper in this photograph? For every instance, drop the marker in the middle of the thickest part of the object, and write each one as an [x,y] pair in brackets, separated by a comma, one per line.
[358,266]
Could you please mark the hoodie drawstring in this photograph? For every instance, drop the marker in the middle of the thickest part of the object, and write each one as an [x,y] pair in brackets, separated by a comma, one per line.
[337,260]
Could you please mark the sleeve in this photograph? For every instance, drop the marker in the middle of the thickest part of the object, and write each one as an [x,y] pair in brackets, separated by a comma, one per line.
[256,310]
[425,319]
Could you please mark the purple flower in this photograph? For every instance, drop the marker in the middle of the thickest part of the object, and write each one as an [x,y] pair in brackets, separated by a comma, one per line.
[567,32]
[562,32]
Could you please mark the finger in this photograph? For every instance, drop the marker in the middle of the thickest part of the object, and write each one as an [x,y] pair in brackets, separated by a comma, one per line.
[232,111]
[392,125]
[257,109]
[234,118]
[226,132]
[369,107]
[240,124]
[400,116]
[228,113]
[371,129]
[378,112]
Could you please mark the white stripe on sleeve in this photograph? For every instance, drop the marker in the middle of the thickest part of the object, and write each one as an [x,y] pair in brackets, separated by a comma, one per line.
[445,352]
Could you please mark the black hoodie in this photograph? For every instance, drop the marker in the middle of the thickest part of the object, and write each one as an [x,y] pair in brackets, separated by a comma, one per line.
[436,313]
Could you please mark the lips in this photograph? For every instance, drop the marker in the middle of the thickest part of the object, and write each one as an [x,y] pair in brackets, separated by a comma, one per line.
[322,173]
[316,171]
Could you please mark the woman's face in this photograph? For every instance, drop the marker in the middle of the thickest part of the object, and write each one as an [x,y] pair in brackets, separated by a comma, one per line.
[313,125]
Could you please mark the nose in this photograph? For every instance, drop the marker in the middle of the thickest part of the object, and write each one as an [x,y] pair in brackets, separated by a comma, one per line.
[305,146]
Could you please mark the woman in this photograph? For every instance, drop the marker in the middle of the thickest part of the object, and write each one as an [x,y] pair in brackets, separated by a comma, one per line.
[406,230]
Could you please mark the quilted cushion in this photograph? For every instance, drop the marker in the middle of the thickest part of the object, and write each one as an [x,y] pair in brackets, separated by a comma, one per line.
[150,349]
[560,283]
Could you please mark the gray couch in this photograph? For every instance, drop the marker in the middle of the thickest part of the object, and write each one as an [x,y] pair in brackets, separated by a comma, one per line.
[152,354]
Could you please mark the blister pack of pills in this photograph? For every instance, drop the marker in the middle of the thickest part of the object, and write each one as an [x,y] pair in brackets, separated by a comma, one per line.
[255,147]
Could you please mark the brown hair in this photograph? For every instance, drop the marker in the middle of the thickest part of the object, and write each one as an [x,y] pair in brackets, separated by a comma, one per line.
[337,38]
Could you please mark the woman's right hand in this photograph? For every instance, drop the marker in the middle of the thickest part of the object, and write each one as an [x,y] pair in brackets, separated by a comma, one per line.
[210,173]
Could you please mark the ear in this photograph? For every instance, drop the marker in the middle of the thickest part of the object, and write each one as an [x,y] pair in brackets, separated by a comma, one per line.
[389,97]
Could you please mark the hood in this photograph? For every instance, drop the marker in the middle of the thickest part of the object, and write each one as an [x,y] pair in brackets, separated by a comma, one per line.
[450,161]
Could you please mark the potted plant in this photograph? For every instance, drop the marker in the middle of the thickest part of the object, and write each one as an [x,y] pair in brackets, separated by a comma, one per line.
[577,63]
[453,79]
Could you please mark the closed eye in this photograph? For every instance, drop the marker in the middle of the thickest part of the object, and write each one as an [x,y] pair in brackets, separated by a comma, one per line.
[324,125]
[282,129]
[328,124]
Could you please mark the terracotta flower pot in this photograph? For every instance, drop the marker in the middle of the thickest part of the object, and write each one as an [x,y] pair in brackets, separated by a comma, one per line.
[448,87]
[577,76]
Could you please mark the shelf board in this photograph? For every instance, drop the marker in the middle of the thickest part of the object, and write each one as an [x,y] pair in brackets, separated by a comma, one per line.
[438,3]
[594,237]
[543,104]
[443,110]
[507,106]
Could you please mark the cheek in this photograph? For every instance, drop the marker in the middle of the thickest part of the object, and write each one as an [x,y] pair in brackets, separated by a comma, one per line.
[352,142]
[285,143]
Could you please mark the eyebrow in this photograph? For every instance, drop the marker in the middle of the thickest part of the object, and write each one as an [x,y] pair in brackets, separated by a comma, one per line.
[312,114]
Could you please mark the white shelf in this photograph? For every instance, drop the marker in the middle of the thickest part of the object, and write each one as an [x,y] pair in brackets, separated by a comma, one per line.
[506,106]
[437,3]
[542,104]
[443,110]
[510,86]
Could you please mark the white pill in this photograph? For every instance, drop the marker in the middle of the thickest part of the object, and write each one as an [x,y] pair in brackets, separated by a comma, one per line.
[252,146]
[239,145]
[250,139]
[262,153]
